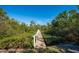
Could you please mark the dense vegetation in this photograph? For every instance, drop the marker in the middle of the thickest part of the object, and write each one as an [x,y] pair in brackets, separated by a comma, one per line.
[64,28]
[14,34]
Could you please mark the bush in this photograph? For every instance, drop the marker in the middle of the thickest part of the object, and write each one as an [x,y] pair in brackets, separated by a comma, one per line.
[50,40]
[18,41]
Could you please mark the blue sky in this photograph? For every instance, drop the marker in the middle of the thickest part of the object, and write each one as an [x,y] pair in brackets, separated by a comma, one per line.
[39,13]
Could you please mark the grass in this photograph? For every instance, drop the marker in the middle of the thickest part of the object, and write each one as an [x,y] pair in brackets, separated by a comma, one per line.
[49,49]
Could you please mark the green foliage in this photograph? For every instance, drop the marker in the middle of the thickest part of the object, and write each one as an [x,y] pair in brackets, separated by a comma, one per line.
[14,34]
[18,41]
[51,49]
[53,40]
[65,27]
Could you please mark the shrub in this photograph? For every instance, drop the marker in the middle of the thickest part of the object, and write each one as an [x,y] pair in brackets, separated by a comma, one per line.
[17,41]
[50,40]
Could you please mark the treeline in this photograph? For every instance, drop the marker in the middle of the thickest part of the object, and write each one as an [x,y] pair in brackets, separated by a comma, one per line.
[64,28]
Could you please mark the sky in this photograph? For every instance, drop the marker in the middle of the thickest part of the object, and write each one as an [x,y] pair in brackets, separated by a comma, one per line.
[41,14]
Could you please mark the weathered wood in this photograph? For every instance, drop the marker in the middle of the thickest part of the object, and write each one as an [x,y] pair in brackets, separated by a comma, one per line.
[38,40]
